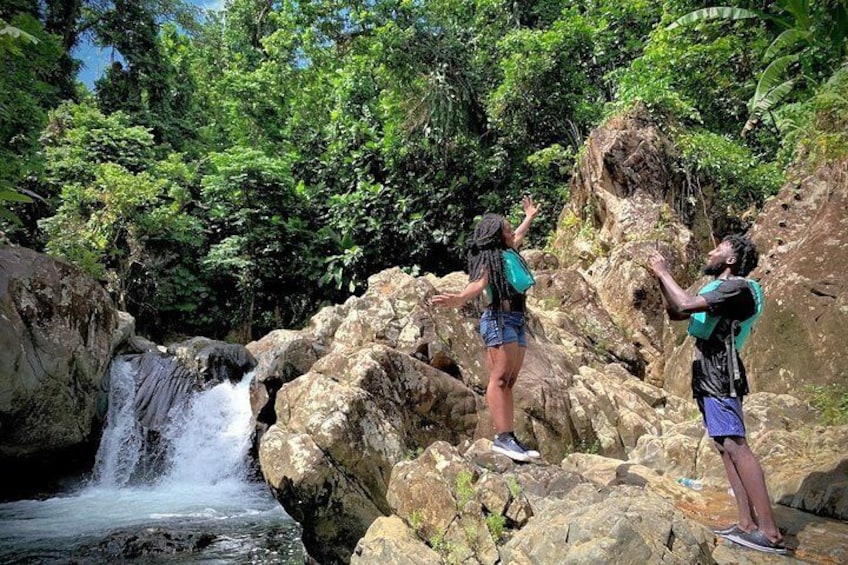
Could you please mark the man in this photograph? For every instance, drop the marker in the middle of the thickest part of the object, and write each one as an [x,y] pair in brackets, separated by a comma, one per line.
[720,318]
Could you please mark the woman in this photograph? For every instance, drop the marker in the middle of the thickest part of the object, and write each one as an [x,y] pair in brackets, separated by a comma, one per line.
[495,267]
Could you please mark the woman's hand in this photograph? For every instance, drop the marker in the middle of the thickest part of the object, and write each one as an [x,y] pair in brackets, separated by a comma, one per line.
[530,208]
[448,300]
[530,212]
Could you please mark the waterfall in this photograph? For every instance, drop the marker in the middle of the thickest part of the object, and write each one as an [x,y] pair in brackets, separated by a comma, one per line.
[206,440]
[209,438]
[122,440]
[201,481]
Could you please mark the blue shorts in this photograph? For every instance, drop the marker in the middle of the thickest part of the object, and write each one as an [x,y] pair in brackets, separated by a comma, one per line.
[511,332]
[722,416]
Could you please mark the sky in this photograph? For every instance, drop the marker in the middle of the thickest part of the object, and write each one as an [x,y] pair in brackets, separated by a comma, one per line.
[95,60]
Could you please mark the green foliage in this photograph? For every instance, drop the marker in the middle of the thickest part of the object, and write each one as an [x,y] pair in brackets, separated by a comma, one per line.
[514,486]
[27,56]
[260,244]
[695,75]
[235,173]
[541,87]
[416,521]
[79,136]
[583,446]
[816,131]
[122,216]
[739,178]
[831,402]
[464,488]
[496,524]
[817,28]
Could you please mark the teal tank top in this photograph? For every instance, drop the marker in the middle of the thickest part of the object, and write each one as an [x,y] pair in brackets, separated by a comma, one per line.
[518,276]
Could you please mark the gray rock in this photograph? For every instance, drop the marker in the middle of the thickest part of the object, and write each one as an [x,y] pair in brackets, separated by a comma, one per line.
[342,427]
[58,330]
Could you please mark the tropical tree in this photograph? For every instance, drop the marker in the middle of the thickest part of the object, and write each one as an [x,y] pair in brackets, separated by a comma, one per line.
[27,55]
[121,215]
[810,45]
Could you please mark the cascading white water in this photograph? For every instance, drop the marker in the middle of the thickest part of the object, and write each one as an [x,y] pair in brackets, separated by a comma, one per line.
[122,440]
[209,439]
[205,484]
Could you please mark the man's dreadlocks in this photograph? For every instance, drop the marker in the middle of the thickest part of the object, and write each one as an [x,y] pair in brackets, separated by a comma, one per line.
[485,251]
[746,253]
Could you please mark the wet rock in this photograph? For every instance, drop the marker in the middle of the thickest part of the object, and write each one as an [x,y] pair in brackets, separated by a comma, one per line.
[148,543]
[213,362]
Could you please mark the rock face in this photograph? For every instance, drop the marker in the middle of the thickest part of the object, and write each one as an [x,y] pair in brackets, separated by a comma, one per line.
[482,508]
[803,239]
[338,429]
[58,331]
[626,202]
[342,427]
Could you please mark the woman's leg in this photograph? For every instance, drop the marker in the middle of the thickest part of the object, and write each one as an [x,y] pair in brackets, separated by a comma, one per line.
[515,358]
[499,389]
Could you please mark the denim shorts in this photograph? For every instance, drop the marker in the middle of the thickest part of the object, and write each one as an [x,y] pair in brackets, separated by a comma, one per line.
[511,332]
[722,416]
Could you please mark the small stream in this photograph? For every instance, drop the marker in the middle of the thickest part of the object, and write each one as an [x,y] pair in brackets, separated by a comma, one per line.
[204,495]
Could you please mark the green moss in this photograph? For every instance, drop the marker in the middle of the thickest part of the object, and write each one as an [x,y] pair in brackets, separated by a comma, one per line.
[496,524]
[464,488]
[830,401]
[514,486]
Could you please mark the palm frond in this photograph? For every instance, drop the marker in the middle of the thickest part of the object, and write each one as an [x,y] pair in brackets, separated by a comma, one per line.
[771,78]
[785,39]
[714,13]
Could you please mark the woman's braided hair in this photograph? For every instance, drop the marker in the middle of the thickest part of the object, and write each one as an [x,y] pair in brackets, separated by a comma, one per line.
[485,250]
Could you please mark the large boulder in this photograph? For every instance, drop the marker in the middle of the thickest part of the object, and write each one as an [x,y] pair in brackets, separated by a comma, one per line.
[59,328]
[628,525]
[342,427]
[319,453]
[626,202]
[480,508]
[390,540]
[281,356]
[212,361]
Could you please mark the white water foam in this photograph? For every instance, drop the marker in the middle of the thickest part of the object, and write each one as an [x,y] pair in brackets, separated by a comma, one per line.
[122,440]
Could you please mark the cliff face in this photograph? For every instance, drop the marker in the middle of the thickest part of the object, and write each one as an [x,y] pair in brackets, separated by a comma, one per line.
[803,238]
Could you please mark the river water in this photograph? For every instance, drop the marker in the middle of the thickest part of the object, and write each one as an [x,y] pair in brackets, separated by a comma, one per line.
[205,491]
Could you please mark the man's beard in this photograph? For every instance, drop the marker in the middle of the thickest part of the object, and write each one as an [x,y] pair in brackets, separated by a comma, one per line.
[713,270]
